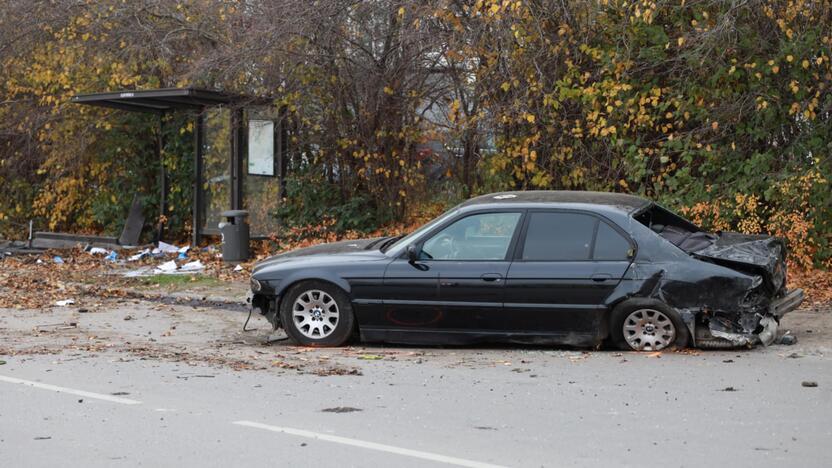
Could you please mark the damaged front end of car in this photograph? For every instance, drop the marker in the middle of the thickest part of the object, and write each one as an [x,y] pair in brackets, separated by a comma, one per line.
[262,297]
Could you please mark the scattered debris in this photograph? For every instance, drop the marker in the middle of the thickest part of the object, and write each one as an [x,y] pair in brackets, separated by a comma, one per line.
[167,267]
[142,254]
[787,339]
[729,389]
[485,428]
[183,252]
[64,302]
[794,356]
[238,268]
[128,317]
[112,256]
[370,357]
[809,384]
[57,326]
[196,265]
[164,247]
[341,409]
[119,393]
[98,251]
[43,438]
[58,259]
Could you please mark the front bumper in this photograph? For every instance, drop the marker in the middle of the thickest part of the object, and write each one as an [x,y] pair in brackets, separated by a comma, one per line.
[787,303]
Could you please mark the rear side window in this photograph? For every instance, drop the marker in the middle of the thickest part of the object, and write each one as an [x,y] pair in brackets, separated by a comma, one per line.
[559,236]
[569,237]
[610,245]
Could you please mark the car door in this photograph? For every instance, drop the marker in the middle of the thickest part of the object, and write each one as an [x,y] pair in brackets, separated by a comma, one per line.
[566,265]
[456,285]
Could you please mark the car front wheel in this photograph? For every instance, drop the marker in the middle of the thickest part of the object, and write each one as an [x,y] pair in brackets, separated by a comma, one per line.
[646,325]
[316,313]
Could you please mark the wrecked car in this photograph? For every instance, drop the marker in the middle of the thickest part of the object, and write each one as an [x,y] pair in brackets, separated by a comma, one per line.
[535,267]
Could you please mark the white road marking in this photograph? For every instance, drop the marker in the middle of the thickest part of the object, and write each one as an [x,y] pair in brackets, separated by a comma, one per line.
[369,445]
[72,391]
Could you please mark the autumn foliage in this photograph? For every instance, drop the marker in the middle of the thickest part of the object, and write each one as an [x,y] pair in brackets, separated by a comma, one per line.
[719,110]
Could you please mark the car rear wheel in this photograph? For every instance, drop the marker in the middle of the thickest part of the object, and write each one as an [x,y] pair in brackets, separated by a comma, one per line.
[316,313]
[647,326]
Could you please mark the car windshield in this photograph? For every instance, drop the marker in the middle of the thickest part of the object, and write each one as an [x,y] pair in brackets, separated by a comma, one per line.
[406,240]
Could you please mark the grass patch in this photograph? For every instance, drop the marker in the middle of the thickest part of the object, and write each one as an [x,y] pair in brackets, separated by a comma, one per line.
[178,281]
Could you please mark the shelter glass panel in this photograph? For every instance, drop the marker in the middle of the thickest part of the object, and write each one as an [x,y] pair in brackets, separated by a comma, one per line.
[261,189]
[216,167]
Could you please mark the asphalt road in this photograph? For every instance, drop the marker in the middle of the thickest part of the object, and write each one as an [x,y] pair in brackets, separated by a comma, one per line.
[112,406]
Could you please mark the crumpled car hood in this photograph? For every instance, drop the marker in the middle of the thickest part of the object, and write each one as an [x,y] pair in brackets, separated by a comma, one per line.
[332,248]
[766,254]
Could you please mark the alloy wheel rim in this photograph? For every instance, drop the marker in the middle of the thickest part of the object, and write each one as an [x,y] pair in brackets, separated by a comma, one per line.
[649,330]
[315,314]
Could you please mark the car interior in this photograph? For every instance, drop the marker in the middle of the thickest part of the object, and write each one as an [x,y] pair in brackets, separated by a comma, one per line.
[478,237]
[675,229]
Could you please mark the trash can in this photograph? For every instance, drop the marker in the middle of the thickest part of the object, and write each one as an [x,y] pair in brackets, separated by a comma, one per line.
[235,235]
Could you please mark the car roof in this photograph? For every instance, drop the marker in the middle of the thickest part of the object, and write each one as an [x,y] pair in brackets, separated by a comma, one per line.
[618,201]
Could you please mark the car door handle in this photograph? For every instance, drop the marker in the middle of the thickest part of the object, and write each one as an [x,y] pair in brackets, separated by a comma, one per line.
[599,277]
[492,277]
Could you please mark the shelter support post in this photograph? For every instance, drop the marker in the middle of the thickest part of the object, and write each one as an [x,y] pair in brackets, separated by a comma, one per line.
[163,179]
[199,143]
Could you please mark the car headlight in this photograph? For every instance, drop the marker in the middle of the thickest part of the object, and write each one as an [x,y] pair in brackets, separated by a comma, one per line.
[256,286]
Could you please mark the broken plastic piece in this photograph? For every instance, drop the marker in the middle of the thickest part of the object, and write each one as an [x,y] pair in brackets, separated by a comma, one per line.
[57,259]
[787,339]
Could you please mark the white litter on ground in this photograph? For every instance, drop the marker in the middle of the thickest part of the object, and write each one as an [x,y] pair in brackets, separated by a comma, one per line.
[164,247]
[167,267]
[139,256]
[196,265]
[65,302]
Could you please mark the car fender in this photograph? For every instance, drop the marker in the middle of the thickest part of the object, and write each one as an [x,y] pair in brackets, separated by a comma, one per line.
[314,274]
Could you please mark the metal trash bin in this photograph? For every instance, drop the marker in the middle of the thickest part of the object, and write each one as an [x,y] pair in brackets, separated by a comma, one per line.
[235,235]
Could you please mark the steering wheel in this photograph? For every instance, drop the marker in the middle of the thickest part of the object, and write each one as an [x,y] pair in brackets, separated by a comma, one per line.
[446,246]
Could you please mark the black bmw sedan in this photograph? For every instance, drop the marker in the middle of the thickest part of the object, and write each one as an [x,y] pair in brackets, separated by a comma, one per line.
[536,267]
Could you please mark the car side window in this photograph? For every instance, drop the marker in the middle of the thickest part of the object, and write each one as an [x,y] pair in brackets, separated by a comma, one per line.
[484,236]
[559,236]
[610,245]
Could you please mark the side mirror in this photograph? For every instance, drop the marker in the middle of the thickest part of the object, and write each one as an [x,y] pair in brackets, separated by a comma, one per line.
[413,253]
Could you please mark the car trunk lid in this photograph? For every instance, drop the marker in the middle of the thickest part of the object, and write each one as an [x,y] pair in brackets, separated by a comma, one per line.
[764,254]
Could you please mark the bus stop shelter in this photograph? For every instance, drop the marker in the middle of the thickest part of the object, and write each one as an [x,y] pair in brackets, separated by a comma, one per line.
[239,148]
